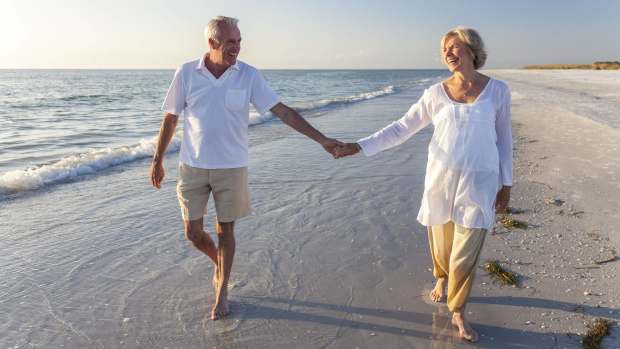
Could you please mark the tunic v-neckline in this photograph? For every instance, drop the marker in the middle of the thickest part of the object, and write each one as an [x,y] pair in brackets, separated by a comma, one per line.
[445,93]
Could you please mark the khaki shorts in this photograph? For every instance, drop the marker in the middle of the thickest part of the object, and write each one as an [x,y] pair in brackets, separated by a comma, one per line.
[228,185]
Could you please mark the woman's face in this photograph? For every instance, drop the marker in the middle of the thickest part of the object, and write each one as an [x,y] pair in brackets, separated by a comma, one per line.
[456,55]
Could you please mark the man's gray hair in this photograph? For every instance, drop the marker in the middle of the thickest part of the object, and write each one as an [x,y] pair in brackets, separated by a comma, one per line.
[213,29]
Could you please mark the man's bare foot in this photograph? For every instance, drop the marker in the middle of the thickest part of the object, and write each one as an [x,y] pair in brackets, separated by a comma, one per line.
[223,309]
[220,308]
[438,294]
[465,330]
[214,281]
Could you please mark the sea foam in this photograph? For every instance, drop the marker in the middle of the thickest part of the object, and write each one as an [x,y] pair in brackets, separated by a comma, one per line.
[324,104]
[73,166]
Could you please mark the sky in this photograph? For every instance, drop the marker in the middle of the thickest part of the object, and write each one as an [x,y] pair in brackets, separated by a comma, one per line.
[317,34]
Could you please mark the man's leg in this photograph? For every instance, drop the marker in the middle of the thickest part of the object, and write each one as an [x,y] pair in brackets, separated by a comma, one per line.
[193,192]
[225,255]
[195,233]
[440,241]
[232,202]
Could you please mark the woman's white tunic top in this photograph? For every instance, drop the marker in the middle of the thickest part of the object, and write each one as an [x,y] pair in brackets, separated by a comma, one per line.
[469,155]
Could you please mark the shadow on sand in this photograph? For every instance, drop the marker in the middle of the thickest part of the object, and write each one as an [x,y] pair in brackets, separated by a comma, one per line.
[600,311]
[436,328]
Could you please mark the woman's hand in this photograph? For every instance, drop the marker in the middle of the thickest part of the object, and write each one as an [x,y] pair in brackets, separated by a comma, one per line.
[346,150]
[502,199]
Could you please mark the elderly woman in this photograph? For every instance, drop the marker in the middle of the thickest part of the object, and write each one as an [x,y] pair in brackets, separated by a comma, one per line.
[469,169]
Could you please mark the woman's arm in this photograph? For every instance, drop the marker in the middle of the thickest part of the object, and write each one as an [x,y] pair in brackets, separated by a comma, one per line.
[398,131]
[503,128]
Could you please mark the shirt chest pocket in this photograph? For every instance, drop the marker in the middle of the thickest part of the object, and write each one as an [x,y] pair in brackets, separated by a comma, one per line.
[235,99]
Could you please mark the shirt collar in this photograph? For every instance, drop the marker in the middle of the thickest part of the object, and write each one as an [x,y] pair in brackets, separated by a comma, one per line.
[201,63]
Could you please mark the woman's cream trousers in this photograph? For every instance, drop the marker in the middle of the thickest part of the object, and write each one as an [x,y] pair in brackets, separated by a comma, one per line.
[455,251]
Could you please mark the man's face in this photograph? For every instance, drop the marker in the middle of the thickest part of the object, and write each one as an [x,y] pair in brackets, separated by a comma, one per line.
[229,46]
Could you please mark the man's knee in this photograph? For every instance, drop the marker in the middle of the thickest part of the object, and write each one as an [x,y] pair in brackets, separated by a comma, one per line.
[193,232]
[225,228]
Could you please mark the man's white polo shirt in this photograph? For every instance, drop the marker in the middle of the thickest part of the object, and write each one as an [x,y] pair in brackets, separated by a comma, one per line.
[217,112]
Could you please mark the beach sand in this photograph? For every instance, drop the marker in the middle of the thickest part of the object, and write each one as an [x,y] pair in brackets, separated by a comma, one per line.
[567,183]
[332,256]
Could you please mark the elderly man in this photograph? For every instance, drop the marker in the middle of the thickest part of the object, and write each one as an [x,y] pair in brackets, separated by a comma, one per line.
[214,92]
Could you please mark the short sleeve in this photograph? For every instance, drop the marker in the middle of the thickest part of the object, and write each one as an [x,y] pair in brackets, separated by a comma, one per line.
[174,103]
[396,133]
[262,96]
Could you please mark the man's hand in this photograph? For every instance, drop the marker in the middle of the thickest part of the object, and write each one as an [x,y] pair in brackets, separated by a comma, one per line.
[298,123]
[330,145]
[502,199]
[347,149]
[166,132]
[157,173]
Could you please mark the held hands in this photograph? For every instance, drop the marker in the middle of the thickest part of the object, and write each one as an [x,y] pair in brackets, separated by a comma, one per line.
[346,150]
[330,145]
[339,149]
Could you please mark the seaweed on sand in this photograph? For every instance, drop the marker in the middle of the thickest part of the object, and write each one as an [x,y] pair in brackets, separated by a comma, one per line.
[504,276]
[511,223]
[598,329]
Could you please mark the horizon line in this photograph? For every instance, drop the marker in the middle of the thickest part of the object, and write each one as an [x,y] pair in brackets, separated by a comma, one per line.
[292,69]
[66,68]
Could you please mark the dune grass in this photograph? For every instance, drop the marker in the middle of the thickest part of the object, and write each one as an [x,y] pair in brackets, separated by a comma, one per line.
[609,65]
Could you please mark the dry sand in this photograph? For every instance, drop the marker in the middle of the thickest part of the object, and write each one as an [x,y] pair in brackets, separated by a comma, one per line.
[567,178]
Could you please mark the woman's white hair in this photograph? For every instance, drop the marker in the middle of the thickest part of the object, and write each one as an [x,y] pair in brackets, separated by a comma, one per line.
[212,31]
[472,40]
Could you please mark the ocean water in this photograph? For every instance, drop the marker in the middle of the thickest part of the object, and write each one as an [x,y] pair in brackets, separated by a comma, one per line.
[60,125]
[93,257]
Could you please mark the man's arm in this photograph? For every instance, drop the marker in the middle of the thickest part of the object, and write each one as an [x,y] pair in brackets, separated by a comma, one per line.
[166,131]
[297,122]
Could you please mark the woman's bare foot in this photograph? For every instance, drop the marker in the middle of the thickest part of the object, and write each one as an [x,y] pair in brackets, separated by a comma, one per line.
[438,294]
[465,330]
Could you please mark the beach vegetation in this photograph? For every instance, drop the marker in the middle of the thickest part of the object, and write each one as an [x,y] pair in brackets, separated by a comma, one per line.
[601,65]
[500,274]
[511,223]
[597,329]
